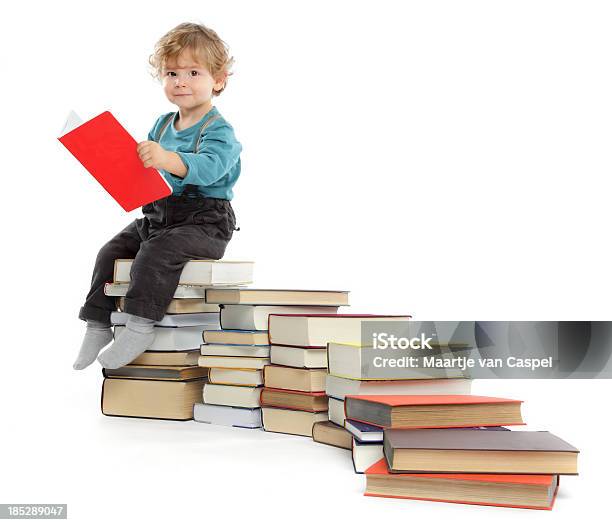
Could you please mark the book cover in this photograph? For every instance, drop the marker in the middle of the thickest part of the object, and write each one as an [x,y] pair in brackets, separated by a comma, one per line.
[108,152]
[528,491]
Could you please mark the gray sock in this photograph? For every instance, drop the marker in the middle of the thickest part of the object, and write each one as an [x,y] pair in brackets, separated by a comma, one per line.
[97,336]
[131,342]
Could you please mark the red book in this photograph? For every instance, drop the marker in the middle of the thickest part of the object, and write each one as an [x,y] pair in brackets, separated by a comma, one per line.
[502,490]
[108,152]
[434,411]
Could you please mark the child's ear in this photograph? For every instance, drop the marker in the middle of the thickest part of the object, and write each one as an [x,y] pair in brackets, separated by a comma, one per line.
[220,81]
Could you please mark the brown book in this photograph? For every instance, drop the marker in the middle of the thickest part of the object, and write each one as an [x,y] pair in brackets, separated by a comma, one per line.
[151,399]
[308,401]
[433,411]
[287,378]
[188,358]
[181,306]
[329,433]
[277,297]
[167,373]
[478,451]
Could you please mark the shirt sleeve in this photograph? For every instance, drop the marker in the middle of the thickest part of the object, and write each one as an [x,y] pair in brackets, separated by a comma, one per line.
[217,154]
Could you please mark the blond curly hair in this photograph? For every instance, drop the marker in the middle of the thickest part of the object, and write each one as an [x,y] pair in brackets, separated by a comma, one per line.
[204,44]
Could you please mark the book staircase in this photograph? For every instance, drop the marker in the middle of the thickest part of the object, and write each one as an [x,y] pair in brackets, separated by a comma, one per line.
[286,361]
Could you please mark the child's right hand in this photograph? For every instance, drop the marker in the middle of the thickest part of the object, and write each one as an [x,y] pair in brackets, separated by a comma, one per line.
[152,154]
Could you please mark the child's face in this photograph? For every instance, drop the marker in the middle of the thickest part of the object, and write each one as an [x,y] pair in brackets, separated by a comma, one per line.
[187,83]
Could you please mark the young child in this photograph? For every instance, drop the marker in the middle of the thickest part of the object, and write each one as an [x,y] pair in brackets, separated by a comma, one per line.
[196,151]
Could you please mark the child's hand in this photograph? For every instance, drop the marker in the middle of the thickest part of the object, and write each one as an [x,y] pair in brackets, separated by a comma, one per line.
[152,154]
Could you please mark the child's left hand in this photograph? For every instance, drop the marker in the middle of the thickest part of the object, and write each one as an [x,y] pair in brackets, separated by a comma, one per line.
[152,154]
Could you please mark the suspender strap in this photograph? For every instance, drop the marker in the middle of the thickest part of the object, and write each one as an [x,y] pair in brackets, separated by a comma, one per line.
[170,118]
[164,126]
[204,126]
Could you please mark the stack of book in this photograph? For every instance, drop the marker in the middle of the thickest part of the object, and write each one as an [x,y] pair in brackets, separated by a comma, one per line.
[350,373]
[165,381]
[238,354]
[451,448]
[293,400]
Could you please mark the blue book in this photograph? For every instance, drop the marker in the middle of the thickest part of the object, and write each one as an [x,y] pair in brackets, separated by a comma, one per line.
[364,432]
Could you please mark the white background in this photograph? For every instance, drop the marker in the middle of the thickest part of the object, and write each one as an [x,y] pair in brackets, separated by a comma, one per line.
[449,160]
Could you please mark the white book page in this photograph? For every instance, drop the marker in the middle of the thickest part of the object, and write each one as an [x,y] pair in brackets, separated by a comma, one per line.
[73,121]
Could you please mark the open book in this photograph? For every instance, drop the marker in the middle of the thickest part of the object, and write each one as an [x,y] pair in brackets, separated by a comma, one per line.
[108,152]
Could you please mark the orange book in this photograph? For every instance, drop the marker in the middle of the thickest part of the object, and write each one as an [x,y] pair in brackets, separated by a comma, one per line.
[434,411]
[501,490]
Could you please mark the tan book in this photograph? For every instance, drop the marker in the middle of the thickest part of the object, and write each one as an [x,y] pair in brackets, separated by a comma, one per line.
[189,358]
[151,399]
[235,377]
[306,380]
[277,297]
[290,421]
[181,306]
[329,433]
[236,337]
[167,373]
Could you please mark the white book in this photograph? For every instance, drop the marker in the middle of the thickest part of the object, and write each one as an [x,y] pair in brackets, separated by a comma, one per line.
[174,339]
[173,320]
[235,396]
[269,296]
[364,432]
[199,272]
[355,361]
[365,455]
[298,357]
[290,421]
[235,350]
[305,330]
[213,361]
[340,387]
[235,377]
[227,416]
[182,291]
[249,317]
[335,407]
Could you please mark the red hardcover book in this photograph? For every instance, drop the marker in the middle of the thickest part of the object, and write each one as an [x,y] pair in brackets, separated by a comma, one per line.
[107,151]
[500,490]
[433,411]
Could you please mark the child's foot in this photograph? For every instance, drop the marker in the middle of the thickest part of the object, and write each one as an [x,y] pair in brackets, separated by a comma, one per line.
[131,342]
[97,336]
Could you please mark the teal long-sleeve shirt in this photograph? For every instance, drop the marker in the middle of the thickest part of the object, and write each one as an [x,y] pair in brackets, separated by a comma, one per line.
[215,168]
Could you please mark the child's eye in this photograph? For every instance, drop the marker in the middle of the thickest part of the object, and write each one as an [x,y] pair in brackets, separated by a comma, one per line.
[194,73]
[170,73]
